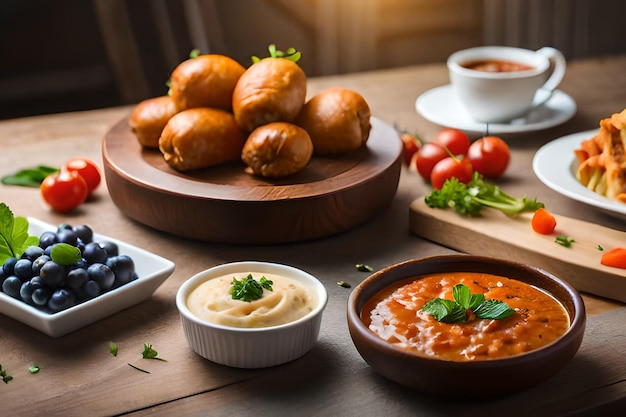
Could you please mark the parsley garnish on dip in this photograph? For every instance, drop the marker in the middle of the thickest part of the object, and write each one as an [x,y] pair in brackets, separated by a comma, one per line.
[251,300]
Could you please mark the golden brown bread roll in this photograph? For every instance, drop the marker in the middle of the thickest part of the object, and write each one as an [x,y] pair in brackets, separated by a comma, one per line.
[277,150]
[338,121]
[149,118]
[271,90]
[200,138]
[205,81]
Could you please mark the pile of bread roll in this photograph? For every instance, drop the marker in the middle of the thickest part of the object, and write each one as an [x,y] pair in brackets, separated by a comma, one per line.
[218,112]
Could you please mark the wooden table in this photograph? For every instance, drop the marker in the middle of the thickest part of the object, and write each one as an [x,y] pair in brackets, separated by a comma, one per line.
[80,377]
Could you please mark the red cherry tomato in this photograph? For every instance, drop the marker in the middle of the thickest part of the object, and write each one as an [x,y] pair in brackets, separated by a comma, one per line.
[454,140]
[458,167]
[427,157]
[86,169]
[411,145]
[490,156]
[64,190]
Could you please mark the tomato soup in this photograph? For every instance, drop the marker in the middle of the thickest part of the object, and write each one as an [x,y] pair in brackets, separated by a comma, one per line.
[493,65]
[395,315]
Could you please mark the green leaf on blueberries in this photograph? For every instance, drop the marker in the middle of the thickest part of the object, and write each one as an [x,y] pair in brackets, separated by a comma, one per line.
[449,311]
[65,254]
[14,237]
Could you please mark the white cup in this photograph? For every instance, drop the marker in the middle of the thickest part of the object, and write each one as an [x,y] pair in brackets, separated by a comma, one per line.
[499,97]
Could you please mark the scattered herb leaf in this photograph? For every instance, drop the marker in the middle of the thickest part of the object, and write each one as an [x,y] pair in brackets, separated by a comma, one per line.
[290,54]
[194,53]
[29,177]
[600,248]
[138,368]
[14,237]
[5,377]
[471,198]
[150,353]
[449,311]
[343,284]
[363,268]
[248,289]
[65,254]
[113,349]
[34,368]
[564,241]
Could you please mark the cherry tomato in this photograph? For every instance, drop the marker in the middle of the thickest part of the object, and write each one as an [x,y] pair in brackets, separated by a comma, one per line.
[490,156]
[64,190]
[427,157]
[411,144]
[458,167]
[454,140]
[86,169]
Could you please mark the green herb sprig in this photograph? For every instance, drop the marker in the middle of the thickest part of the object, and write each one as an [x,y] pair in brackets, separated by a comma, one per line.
[290,54]
[564,241]
[14,237]
[248,289]
[471,198]
[449,311]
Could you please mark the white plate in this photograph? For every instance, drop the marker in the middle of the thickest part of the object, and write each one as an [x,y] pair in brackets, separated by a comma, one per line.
[441,106]
[151,269]
[555,165]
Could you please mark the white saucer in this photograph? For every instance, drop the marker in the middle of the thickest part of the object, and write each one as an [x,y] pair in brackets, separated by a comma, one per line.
[441,106]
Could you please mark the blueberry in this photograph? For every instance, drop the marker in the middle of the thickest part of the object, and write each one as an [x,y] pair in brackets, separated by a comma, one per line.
[39,262]
[32,253]
[84,233]
[12,285]
[101,274]
[77,278]
[60,300]
[123,268]
[8,265]
[67,236]
[52,274]
[23,269]
[91,289]
[111,248]
[41,296]
[47,238]
[94,253]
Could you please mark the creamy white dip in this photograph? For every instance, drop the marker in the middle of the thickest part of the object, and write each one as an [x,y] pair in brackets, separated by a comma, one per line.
[288,301]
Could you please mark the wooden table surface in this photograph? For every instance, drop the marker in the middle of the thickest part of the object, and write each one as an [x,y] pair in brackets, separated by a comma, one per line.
[80,377]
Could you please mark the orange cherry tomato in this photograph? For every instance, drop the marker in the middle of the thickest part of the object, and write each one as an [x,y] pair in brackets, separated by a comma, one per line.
[64,190]
[490,156]
[543,222]
[458,167]
[411,144]
[86,169]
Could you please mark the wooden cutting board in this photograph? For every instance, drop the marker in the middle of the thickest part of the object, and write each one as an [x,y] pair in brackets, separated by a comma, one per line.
[494,234]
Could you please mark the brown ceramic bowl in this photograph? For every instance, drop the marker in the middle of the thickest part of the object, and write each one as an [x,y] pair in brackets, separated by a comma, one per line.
[486,378]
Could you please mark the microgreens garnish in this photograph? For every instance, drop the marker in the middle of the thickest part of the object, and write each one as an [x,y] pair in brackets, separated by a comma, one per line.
[113,348]
[150,353]
[248,289]
[449,311]
[600,248]
[34,368]
[5,377]
[564,241]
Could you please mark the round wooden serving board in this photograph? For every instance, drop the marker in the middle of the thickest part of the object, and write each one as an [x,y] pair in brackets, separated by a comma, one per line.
[225,204]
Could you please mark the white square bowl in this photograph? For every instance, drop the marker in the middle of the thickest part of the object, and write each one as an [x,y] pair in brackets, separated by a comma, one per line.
[152,270]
